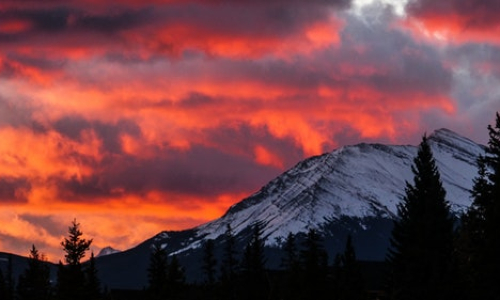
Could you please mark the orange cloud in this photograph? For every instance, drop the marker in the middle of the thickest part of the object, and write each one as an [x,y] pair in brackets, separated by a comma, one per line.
[265,157]
[138,120]
[455,21]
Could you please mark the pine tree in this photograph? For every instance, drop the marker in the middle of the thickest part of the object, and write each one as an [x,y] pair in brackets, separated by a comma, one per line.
[209,262]
[479,240]
[422,238]
[71,278]
[229,265]
[291,260]
[229,261]
[471,239]
[255,281]
[291,264]
[350,282]
[314,265]
[75,246]
[157,273]
[492,213]
[92,283]
[34,283]
[176,278]
[254,259]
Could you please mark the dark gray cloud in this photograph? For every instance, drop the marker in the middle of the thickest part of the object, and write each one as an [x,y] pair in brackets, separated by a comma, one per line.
[473,14]
[198,171]
[14,189]
[86,188]
[243,138]
[46,222]
[109,133]
[59,19]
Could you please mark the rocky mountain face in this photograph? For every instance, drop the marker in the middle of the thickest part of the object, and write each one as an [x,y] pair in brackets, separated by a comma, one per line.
[352,190]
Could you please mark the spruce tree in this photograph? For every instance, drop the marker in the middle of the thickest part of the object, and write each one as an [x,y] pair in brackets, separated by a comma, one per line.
[254,259]
[157,273]
[470,243]
[176,278]
[256,285]
[291,264]
[34,283]
[71,278]
[422,238]
[209,263]
[314,262]
[350,281]
[229,264]
[92,283]
[479,242]
[491,249]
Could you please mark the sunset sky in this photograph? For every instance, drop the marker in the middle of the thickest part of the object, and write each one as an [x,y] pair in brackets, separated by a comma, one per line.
[137,116]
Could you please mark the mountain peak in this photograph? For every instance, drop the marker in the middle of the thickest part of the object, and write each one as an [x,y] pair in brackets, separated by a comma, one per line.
[107,251]
[451,140]
[363,180]
[353,190]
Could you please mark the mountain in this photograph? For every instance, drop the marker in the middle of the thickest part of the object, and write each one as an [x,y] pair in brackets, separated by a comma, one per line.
[107,251]
[351,190]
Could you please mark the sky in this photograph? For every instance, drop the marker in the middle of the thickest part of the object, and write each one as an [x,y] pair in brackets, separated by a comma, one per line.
[138,116]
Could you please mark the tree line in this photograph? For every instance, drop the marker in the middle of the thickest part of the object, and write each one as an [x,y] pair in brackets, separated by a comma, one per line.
[74,280]
[432,254]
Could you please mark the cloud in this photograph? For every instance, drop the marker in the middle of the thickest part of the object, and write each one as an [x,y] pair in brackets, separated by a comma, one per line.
[164,112]
[108,133]
[14,189]
[457,20]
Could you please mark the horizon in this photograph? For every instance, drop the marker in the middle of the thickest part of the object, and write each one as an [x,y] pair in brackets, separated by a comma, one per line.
[136,117]
[87,257]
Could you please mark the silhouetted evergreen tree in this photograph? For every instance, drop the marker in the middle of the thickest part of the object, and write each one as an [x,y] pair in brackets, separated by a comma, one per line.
[291,264]
[229,265]
[314,262]
[422,239]
[71,278]
[471,239]
[350,281]
[229,260]
[93,289]
[34,283]
[176,278]
[479,240]
[157,274]
[491,205]
[209,262]
[255,280]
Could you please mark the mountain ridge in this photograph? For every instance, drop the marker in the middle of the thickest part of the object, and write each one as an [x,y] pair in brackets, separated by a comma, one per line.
[353,190]
[320,177]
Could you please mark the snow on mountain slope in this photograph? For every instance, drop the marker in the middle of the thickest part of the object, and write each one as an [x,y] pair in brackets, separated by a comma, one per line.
[364,180]
[107,251]
[353,190]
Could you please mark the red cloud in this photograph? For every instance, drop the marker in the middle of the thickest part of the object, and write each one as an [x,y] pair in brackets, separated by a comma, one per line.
[181,109]
[457,20]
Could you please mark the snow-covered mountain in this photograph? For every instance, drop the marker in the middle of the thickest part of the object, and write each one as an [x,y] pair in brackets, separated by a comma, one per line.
[364,180]
[352,190]
[107,251]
